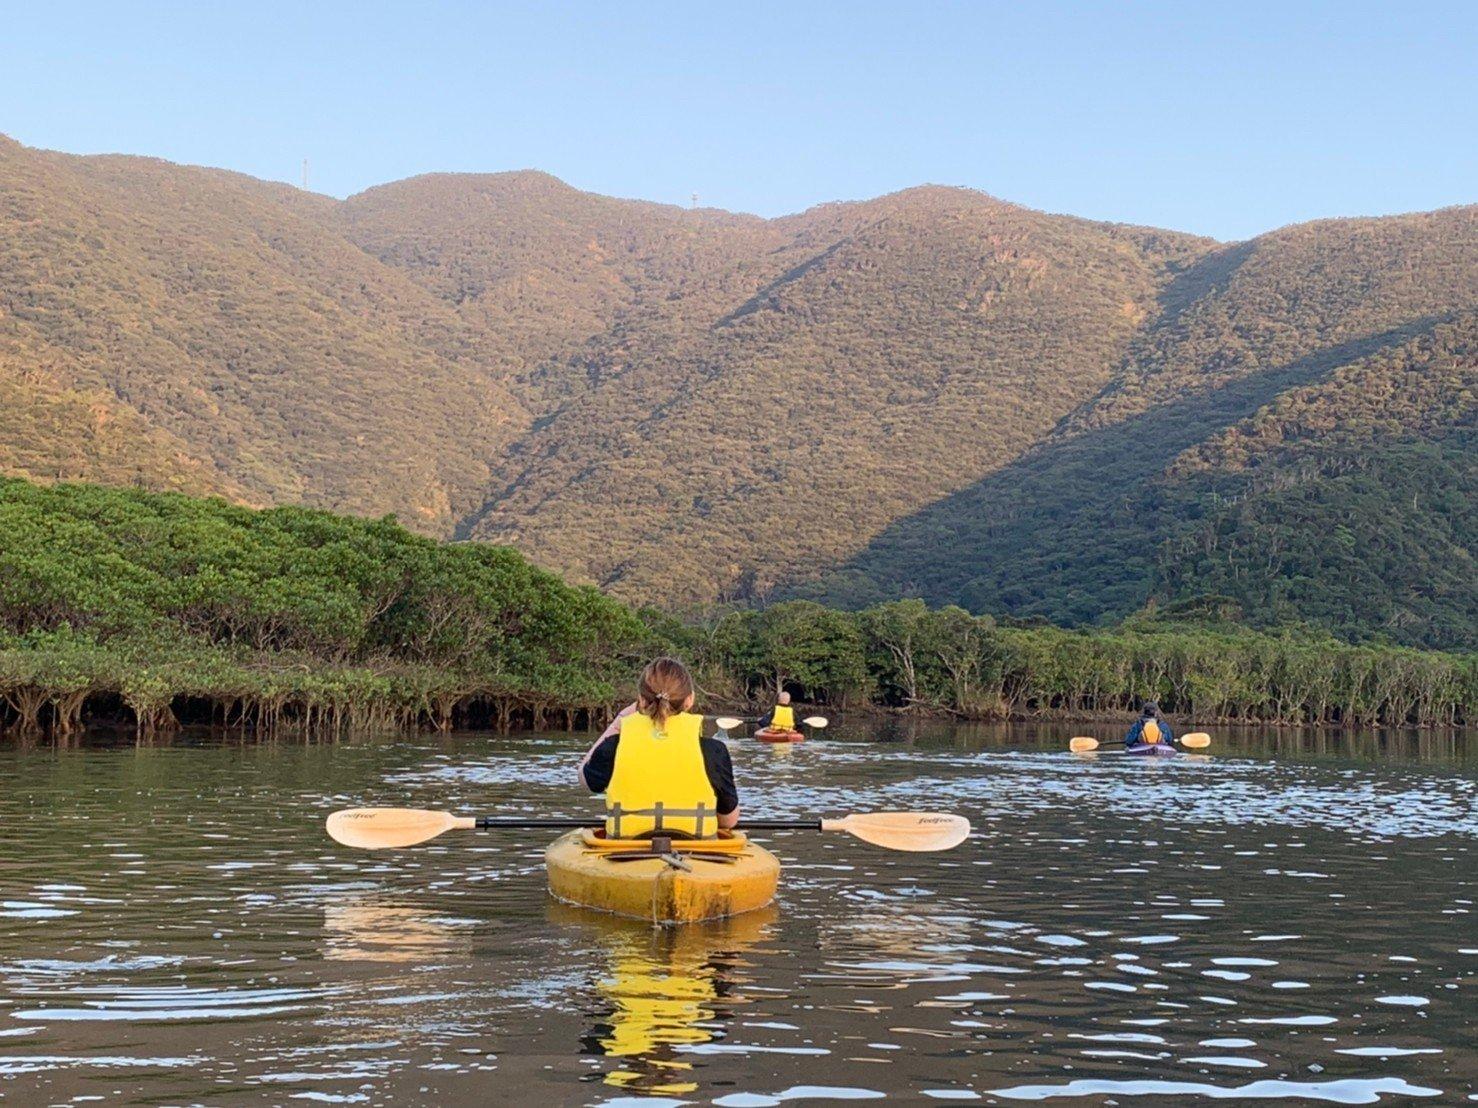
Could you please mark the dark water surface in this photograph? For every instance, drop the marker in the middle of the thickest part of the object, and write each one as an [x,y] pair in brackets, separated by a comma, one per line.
[1291,921]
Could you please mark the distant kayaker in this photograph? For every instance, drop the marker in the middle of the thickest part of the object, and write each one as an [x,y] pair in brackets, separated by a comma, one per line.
[1149,729]
[783,718]
[659,773]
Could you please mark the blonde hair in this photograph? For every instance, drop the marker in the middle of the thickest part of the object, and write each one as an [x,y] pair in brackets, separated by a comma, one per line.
[665,688]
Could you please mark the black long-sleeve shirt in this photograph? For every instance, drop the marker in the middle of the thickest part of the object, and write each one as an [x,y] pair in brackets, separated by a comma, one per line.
[716,761]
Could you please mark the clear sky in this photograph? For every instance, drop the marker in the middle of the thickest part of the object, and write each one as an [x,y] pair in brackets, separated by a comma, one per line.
[1226,118]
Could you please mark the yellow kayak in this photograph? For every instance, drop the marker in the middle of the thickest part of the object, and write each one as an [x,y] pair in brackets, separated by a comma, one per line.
[694,880]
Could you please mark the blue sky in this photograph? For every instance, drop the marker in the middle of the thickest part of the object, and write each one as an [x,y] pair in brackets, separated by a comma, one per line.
[1224,118]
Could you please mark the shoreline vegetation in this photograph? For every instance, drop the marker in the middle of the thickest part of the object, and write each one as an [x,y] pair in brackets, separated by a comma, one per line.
[153,610]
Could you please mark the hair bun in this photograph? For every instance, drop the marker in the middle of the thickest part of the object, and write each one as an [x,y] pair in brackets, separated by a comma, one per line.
[665,687]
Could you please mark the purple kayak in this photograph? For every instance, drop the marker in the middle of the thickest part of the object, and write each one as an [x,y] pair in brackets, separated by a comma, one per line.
[1152,750]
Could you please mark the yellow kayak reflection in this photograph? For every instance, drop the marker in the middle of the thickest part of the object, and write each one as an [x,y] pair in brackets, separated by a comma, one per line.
[667,988]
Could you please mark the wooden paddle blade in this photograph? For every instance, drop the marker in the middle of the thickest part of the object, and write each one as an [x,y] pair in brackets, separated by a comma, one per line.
[904,830]
[817,722]
[728,723]
[384,828]
[1196,740]
[1082,744]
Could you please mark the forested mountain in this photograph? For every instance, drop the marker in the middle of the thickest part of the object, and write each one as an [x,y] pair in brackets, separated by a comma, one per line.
[1295,430]
[165,324]
[937,336]
[934,393]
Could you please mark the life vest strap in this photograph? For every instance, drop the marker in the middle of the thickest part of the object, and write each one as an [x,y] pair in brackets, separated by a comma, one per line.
[657,811]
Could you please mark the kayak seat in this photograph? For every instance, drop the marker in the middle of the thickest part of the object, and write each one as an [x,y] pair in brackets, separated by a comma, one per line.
[726,843]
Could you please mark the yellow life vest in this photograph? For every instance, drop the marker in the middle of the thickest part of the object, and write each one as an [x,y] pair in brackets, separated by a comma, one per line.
[784,718]
[1151,732]
[660,784]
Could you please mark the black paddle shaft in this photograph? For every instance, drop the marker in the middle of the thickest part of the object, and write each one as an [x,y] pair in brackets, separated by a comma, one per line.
[491,822]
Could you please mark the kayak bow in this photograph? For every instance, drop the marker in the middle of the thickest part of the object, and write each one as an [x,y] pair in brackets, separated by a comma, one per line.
[662,881]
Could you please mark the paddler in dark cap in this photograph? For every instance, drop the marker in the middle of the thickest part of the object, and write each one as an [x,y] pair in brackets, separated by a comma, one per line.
[1150,728]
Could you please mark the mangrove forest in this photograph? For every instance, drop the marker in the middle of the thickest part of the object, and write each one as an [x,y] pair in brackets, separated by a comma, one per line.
[150,610]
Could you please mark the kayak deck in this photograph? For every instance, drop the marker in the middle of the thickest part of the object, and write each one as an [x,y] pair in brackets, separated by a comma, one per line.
[702,879]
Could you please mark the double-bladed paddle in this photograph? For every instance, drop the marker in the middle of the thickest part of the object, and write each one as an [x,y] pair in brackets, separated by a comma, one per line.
[1196,740]
[384,828]
[728,723]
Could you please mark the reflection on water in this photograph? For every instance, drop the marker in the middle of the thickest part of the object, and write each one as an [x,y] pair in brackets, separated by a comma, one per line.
[366,930]
[1282,922]
[666,991]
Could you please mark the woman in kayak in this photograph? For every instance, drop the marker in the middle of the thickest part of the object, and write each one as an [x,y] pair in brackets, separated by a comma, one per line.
[659,774]
[783,718]
[1149,729]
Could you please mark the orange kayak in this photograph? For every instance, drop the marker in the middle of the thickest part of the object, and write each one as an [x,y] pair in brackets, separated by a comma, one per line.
[773,735]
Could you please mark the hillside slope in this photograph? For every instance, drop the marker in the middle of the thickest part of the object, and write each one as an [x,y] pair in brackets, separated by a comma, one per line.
[1290,362]
[540,268]
[933,393]
[915,344]
[276,359]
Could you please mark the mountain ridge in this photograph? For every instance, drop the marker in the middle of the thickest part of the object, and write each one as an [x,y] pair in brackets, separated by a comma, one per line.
[933,392]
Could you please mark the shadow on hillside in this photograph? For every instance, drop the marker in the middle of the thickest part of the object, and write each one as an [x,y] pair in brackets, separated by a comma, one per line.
[1070,530]
[761,298]
[1207,277]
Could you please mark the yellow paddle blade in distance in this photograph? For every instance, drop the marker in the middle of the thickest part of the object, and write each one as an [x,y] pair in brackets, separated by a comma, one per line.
[817,722]
[1082,744]
[1196,740]
[728,723]
[384,828]
[904,830]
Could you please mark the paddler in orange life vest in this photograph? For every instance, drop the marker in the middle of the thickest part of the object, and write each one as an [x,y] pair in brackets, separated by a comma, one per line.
[1149,729]
[783,718]
[659,774]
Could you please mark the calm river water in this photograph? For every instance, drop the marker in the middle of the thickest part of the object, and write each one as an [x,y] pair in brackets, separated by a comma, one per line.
[1291,921]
